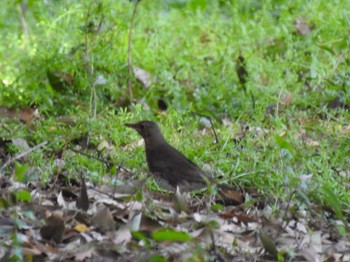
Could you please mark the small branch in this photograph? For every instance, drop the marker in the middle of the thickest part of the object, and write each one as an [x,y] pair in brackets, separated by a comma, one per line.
[286,213]
[90,65]
[107,163]
[129,51]
[86,40]
[93,101]
[20,155]
[22,10]
[211,124]
[213,248]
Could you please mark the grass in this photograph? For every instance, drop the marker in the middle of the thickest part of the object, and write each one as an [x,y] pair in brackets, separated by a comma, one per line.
[191,47]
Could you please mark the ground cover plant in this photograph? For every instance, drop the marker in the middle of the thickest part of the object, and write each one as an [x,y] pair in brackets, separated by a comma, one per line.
[256,93]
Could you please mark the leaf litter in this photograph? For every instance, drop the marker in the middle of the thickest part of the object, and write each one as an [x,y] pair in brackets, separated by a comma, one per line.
[83,221]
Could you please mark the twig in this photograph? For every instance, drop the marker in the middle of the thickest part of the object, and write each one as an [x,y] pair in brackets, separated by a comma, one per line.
[90,65]
[129,51]
[86,40]
[20,155]
[214,251]
[22,10]
[107,163]
[211,124]
[286,212]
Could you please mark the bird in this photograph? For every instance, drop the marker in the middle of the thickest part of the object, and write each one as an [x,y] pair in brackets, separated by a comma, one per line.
[170,168]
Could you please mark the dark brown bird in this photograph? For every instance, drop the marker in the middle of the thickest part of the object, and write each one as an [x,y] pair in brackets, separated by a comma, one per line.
[170,168]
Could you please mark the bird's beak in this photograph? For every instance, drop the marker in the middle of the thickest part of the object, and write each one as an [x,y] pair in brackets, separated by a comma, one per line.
[134,126]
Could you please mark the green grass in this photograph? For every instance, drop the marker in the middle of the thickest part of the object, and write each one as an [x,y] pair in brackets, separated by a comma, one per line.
[191,47]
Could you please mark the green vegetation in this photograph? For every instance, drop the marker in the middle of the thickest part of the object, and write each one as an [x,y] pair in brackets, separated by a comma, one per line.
[191,48]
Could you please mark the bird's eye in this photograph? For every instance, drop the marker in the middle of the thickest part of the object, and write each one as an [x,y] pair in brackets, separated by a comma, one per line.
[142,126]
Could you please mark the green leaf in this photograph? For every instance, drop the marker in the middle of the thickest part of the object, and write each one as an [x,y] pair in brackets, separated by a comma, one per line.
[21,224]
[332,201]
[171,235]
[3,203]
[268,243]
[217,207]
[157,258]
[20,172]
[23,195]
[29,214]
[140,236]
[283,144]
[324,47]
[197,4]
[138,195]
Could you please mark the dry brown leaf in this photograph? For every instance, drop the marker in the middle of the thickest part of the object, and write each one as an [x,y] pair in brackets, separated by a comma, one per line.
[27,115]
[149,225]
[229,195]
[302,27]
[103,220]
[286,98]
[83,199]
[239,218]
[59,80]
[54,228]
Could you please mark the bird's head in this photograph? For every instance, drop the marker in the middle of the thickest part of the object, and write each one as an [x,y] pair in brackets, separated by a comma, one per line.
[147,129]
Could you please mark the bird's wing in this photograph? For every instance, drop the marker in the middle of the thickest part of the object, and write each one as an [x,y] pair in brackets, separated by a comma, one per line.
[177,167]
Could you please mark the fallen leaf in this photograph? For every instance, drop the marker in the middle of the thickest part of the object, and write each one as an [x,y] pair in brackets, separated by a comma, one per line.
[122,236]
[286,98]
[104,144]
[81,228]
[59,81]
[103,220]
[135,221]
[229,195]
[60,200]
[170,235]
[54,228]
[268,244]
[143,76]
[179,202]
[302,27]
[83,255]
[21,144]
[83,198]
